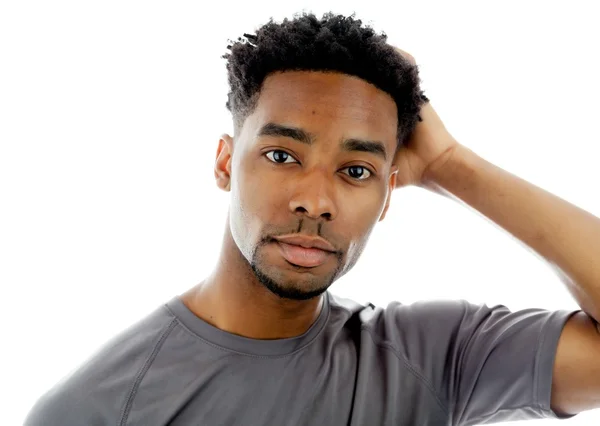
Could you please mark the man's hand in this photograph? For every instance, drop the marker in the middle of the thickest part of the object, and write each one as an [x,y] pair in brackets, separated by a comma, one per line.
[428,147]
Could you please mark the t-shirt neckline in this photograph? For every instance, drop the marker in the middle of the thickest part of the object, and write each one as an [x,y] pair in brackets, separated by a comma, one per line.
[245,345]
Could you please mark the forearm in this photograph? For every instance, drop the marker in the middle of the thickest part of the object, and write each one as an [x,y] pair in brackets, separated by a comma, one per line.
[566,236]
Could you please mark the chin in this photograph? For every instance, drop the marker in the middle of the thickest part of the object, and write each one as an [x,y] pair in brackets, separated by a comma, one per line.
[290,285]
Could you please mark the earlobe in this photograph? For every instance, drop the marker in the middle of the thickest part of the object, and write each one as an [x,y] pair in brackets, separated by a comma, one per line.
[223,162]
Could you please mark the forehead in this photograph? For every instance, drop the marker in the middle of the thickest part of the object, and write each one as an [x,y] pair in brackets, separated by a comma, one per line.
[328,102]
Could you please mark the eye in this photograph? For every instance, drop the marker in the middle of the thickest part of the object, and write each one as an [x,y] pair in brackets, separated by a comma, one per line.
[354,173]
[279,156]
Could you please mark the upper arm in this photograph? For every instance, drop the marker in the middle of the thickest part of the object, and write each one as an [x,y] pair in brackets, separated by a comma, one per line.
[576,373]
[499,364]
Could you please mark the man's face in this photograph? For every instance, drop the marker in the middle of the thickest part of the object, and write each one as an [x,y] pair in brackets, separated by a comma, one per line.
[316,186]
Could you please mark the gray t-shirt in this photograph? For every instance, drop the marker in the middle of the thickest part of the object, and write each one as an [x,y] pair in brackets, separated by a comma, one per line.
[426,363]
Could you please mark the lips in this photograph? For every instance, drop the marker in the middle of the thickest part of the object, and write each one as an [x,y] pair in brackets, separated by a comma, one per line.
[305,257]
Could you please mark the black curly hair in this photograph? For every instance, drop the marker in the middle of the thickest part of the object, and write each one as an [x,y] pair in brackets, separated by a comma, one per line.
[335,43]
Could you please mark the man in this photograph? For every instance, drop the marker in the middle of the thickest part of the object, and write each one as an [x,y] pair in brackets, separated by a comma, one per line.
[328,120]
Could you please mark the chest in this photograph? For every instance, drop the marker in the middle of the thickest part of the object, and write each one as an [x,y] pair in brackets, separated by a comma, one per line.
[342,383]
[342,386]
[304,389]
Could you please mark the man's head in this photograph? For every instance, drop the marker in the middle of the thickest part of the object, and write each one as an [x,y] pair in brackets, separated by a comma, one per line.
[319,109]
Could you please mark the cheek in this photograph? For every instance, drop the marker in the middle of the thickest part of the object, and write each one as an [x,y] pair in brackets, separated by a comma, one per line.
[242,214]
[255,194]
[359,237]
[255,203]
[357,216]
[363,206]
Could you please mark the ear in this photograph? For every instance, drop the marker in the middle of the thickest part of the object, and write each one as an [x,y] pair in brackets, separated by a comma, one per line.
[223,162]
[391,186]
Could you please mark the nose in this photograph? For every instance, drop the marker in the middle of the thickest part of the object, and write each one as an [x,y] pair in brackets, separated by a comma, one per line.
[312,195]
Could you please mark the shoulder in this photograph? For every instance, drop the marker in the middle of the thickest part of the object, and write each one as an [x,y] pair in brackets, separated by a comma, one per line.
[423,334]
[96,391]
[414,329]
[453,323]
[430,316]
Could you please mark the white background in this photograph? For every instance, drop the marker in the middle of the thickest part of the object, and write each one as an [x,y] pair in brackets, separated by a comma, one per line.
[110,114]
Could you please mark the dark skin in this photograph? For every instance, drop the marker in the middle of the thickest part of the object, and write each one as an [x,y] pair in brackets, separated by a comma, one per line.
[280,185]
[315,195]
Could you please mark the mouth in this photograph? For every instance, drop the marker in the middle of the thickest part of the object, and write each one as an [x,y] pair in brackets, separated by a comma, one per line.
[303,257]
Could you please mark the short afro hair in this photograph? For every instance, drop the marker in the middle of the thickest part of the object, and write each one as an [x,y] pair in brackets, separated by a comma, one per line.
[335,43]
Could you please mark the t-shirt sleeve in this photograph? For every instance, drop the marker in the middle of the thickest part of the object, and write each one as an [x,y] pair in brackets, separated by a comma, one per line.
[96,392]
[491,365]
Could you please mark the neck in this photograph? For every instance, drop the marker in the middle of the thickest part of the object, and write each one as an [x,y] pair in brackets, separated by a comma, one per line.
[233,300]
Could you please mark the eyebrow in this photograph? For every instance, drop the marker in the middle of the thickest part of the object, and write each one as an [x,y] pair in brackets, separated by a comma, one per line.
[300,135]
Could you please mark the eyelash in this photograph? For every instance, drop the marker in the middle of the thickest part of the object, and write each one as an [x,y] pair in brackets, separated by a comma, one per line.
[371,173]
